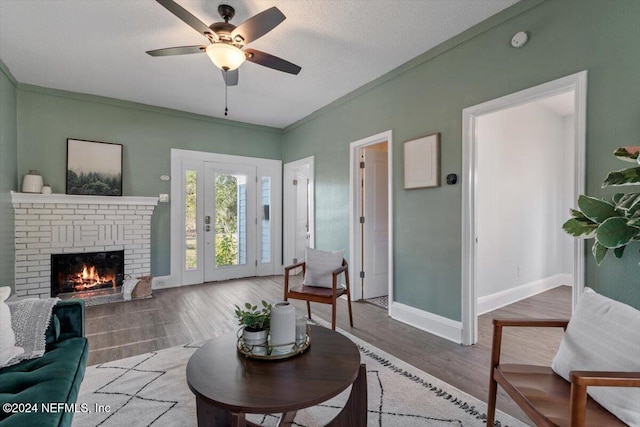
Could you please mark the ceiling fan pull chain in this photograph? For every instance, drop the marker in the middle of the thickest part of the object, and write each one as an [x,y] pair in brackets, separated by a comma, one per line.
[225,97]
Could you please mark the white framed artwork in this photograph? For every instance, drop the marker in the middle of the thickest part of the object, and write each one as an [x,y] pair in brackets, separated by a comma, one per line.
[422,162]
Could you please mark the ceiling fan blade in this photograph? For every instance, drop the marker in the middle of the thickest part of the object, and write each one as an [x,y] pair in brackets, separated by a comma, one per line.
[230,77]
[188,18]
[179,50]
[258,25]
[267,60]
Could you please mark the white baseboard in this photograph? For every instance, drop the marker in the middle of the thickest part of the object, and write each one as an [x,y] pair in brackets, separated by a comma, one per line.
[509,296]
[426,321]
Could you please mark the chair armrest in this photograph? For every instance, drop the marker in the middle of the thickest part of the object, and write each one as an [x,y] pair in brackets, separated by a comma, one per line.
[605,378]
[498,324]
[297,265]
[536,323]
[580,380]
[340,270]
[71,315]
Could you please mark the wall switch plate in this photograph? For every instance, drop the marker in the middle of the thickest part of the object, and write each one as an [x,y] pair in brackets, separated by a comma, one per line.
[163,198]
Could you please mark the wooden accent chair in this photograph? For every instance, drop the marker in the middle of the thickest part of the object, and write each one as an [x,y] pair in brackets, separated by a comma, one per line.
[547,398]
[321,295]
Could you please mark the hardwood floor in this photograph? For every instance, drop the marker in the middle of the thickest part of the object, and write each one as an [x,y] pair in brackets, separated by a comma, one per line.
[194,313]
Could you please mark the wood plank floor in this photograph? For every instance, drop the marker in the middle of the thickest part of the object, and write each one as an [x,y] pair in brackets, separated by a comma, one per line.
[193,313]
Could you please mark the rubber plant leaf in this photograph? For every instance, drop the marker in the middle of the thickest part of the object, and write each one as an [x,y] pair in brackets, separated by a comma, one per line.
[578,228]
[619,251]
[578,215]
[629,154]
[614,232]
[628,176]
[596,210]
[627,201]
[599,252]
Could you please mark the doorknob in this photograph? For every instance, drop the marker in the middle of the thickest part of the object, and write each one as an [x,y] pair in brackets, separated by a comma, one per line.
[207,219]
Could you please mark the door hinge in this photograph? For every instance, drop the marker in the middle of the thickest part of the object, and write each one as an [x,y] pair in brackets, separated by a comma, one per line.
[295,182]
[362,274]
[256,263]
[361,220]
[295,260]
[256,179]
[361,165]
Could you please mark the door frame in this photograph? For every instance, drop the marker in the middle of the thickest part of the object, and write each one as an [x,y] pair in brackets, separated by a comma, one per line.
[180,157]
[355,189]
[576,83]
[289,208]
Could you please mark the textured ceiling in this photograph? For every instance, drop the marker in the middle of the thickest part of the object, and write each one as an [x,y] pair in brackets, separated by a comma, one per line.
[98,47]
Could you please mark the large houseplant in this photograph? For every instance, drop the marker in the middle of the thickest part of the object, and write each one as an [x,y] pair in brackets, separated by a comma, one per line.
[615,223]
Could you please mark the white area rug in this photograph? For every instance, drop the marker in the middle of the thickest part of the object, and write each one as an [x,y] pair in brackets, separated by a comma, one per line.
[151,390]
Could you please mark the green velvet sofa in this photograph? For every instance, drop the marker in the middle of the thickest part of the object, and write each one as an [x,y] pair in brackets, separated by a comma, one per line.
[51,379]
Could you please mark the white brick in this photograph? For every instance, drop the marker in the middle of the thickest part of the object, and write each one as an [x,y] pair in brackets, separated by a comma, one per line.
[39,268]
[50,205]
[51,217]
[83,206]
[62,222]
[27,228]
[63,211]
[40,211]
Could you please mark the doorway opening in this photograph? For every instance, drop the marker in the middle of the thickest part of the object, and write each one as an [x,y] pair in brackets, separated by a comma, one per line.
[371,219]
[523,158]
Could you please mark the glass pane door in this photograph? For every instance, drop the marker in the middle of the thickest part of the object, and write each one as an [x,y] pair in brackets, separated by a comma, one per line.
[229,221]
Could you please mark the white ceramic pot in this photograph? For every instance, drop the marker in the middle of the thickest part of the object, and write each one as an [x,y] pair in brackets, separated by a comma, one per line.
[256,340]
[283,327]
[32,182]
[46,189]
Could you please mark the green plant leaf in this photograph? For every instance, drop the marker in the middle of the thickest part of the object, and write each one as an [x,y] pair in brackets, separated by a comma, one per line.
[628,201]
[599,252]
[618,252]
[596,210]
[628,176]
[629,154]
[614,232]
[575,213]
[577,227]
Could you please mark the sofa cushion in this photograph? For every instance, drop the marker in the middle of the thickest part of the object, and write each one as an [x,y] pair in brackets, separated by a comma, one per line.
[54,377]
[8,347]
[603,335]
[319,266]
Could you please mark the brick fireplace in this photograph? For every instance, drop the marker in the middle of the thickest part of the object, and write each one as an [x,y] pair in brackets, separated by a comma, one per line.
[48,224]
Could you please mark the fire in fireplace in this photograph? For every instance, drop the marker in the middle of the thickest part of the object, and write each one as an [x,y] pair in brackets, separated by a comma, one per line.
[87,273]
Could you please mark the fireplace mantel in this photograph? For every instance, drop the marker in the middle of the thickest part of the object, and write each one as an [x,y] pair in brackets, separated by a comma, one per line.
[79,199]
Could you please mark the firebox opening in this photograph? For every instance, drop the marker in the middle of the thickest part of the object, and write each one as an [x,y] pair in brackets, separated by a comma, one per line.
[87,274]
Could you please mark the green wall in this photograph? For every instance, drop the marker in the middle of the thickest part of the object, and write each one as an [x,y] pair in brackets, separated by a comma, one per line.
[47,117]
[8,173]
[428,95]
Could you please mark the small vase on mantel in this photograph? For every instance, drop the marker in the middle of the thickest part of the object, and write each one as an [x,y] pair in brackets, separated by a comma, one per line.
[283,327]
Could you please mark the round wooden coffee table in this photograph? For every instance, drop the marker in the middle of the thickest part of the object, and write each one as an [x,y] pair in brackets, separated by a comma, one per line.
[229,385]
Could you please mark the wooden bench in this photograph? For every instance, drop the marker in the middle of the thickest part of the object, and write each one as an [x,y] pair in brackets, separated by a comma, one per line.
[547,398]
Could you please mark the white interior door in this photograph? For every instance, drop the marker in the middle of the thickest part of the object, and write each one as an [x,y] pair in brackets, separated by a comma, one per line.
[230,221]
[301,241]
[375,239]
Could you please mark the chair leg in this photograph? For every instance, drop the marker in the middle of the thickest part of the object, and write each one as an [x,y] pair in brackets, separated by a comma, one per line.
[333,314]
[309,309]
[491,404]
[349,304]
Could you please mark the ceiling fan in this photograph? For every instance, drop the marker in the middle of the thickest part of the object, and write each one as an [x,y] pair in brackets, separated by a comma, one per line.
[226,41]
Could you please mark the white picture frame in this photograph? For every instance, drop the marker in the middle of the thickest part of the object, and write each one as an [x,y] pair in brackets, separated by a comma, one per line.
[422,162]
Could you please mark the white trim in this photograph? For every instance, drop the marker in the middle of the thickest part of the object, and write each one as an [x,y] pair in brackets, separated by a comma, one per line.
[509,296]
[354,209]
[578,84]
[80,199]
[432,323]
[289,207]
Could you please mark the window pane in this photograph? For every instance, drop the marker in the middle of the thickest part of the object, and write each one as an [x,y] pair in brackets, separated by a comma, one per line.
[265,250]
[231,219]
[190,232]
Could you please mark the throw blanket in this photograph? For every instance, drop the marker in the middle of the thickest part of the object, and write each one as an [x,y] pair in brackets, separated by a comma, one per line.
[29,319]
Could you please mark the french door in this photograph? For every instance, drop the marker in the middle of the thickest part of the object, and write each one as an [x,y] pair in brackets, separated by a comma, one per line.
[229,216]
[230,221]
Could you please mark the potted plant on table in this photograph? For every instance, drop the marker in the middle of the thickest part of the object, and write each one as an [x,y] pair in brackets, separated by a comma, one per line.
[255,323]
[616,223]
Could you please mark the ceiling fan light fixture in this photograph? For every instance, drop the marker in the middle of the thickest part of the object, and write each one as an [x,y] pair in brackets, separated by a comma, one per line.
[225,56]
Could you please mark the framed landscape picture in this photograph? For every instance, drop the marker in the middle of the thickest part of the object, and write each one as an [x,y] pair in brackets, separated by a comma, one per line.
[94,168]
